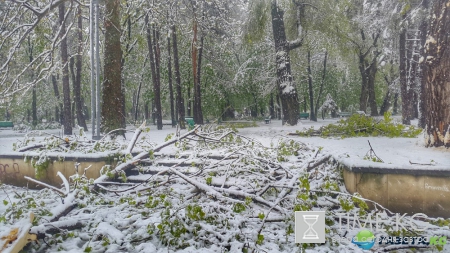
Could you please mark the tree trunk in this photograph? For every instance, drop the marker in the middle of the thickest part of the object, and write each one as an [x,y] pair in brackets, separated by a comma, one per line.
[157,88]
[404,90]
[180,101]
[153,112]
[278,108]
[77,80]
[34,108]
[198,114]
[189,104]
[271,107]
[34,95]
[413,53]
[146,112]
[371,88]
[286,86]
[65,74]
[364,87]
[368,71]
[58,110]
[423,37]
[386,103]
[136,106]
[254,107]
[113,106]
[321,84]
[436,64]
[169,69]
[312,112]
[152,50]
[395,109]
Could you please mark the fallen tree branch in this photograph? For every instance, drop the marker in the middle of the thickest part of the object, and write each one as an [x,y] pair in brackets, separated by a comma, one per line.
[45,185]
[30,147]
[65,182]
[135,138]
[143,155]
[68,204]
[56,227]
[210,191]
[254,197]
[319,161]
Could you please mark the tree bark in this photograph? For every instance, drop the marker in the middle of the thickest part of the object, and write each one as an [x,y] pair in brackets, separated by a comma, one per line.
[152,50]
[180,102]
[169,69]
[34,121]
[423,37]
[146,111]
[395,109]
[371,88]
[198,113]
[271,107]
[157,88]
[321,84]
[278,108]
[368,70]
[113,104]
[404,89]
[364,89]
[312,112]
[58,109]
[285,82]
[65,74]
[386,102]
[136,106]
[436,63]
[77,81]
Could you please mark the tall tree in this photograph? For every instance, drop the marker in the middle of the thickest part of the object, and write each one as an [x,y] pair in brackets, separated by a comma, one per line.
[322,83]
[423,37]
[34,122]
[65,73]
[406,93]
[113,101]
[436,63]
[169,69]
[180,102]
[154,66]
[157,88]
[197,50]
[77,81]
[312,114]
[285,82]
[58,108]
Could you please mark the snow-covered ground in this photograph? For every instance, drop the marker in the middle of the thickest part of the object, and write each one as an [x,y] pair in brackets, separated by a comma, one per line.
[395,151]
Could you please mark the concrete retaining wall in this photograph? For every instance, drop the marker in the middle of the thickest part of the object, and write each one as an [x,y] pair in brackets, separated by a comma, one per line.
[13,168]
[425,190]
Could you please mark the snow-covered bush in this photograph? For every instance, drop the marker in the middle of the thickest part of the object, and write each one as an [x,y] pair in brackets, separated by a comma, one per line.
[361,125]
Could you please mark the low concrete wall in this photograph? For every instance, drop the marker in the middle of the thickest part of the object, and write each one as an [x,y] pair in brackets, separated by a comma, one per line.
[402,190]
[13,168]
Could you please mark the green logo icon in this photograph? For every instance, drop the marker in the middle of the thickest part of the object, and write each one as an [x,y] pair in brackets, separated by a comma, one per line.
[364,239]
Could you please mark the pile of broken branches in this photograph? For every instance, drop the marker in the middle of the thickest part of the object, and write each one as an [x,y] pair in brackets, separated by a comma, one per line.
[208,188]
